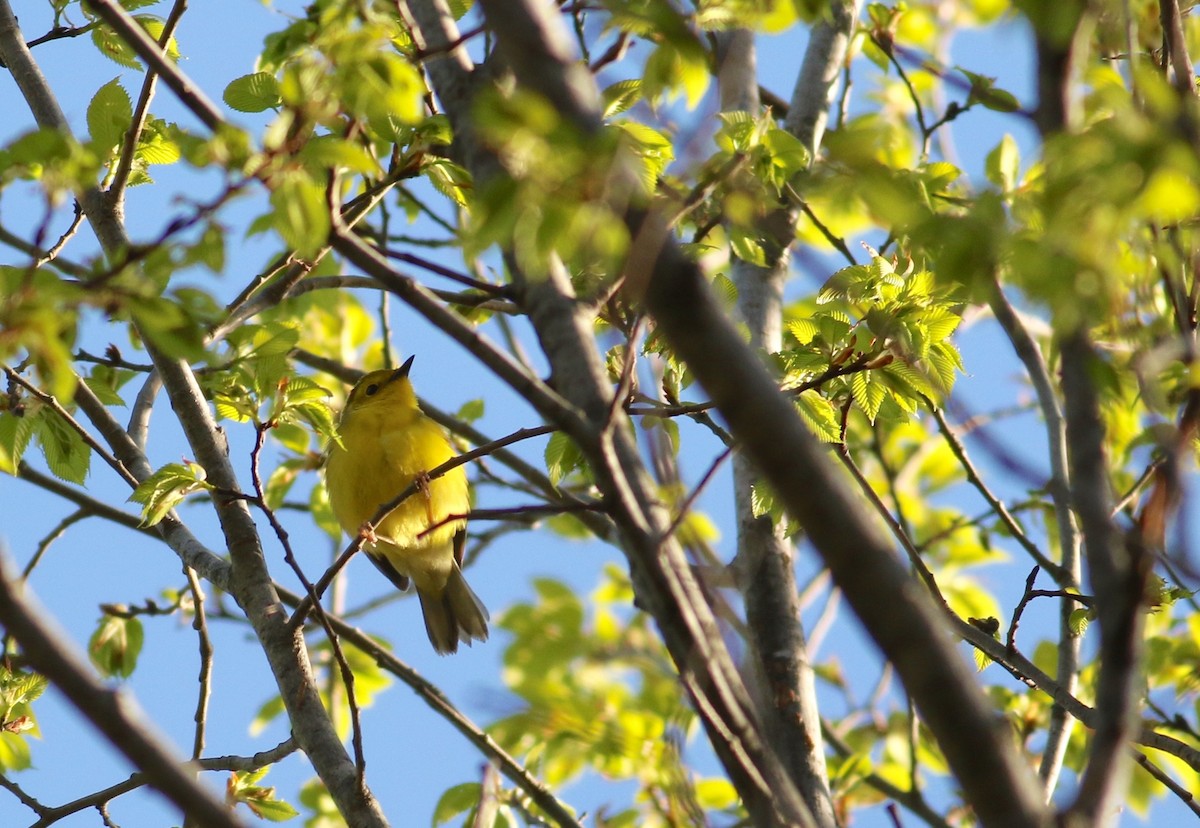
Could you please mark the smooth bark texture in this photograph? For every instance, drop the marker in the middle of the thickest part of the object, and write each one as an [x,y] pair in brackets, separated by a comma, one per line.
[824,60]
[765,567]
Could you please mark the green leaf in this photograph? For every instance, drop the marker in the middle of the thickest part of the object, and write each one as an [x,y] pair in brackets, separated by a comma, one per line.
[14,752]
[157,144]
[109,116]
[18,689]
[113,47]
[301,215]
[115,646]
[166,488]
[716,793]
[562,457]
[984,91]
[449,179]
[1003,164]
[621,96]
[15,432]
[67,455]
[471,410]
[1079,619]
[252,93]
[788,153]
[105,381]
[272,709]
[328,152]
[243,788]
[820,415]
[726,291]
[455,801]
[747,247]
[868,393]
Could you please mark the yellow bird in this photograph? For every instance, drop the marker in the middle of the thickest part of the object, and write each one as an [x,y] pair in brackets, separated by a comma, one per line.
[387,444]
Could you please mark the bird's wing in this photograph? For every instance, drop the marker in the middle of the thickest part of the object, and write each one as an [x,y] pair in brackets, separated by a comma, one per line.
[390,572]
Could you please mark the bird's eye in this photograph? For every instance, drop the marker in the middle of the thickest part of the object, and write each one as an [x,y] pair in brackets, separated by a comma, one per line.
[371,389]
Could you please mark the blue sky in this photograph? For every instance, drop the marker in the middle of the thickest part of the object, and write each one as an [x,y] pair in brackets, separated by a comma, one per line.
[412,754]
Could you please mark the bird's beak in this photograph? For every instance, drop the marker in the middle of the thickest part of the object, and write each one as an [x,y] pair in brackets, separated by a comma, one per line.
[402,371]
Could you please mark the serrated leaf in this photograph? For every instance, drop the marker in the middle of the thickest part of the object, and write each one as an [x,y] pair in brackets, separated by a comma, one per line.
[256,92]
[868,393]
[946,363]
[982,659]
[819,415]
[15,433]
[562,457]
[162,491]
[156,144]
[109,115]
[621,96]
[726,290]
[1079,619]
[449,179]
[804,330]
[113,47]
[67,455]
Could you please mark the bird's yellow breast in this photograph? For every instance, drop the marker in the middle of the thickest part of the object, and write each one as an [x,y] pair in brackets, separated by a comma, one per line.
[383,449]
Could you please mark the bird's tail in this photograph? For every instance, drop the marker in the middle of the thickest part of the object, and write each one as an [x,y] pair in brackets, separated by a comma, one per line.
[455,615]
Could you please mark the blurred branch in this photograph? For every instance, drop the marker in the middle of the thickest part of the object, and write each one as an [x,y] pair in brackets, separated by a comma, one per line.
[1118,568]
[111,712]
[1069,573]
[998,507]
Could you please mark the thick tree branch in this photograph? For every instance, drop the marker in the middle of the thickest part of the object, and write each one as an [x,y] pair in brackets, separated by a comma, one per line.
[817,82]
[534,46]
[765,569]
[893,607]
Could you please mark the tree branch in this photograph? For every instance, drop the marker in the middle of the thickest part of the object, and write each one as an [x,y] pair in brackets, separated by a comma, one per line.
[1117,569]
[112,712]
[764,565]
[250,582]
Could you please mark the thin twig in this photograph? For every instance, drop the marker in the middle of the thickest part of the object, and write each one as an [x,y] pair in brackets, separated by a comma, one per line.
[204,681]
[976,480]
